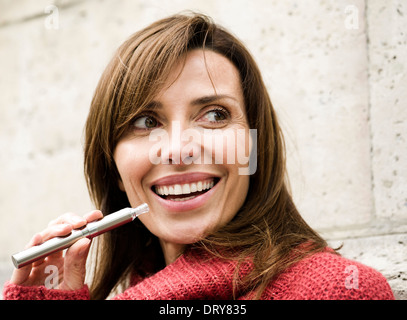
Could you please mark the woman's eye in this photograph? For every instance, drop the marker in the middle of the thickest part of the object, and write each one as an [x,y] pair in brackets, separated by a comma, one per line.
[145,122]
[215,116]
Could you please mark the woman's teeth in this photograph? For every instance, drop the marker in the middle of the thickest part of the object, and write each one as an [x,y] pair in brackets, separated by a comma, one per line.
[184,189]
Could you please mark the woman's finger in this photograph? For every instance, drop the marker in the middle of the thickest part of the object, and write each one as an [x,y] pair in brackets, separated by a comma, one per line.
[93,215]
[69,218]
[75,220]
[75,265]
[21,275]
[57,230]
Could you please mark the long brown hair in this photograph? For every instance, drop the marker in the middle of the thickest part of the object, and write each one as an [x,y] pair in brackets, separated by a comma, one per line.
[267,227]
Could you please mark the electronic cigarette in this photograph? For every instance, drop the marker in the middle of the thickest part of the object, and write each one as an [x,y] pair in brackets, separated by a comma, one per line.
[91,230]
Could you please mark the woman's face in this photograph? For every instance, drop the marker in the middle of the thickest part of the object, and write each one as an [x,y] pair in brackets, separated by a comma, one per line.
[182,156]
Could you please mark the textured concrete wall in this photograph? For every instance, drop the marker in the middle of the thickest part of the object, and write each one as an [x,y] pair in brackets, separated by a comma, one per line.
[336,71]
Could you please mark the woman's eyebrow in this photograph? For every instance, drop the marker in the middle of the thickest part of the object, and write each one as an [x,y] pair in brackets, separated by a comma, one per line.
[154,105]
[211,99]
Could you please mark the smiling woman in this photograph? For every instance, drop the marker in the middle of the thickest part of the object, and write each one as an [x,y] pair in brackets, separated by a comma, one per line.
[180,217]
[211,232]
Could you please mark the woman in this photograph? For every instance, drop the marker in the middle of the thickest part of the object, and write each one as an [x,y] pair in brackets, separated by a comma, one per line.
[168,111]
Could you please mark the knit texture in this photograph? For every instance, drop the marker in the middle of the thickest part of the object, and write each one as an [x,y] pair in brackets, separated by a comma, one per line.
[322,276]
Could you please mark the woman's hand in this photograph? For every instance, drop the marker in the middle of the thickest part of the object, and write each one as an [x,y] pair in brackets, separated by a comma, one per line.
[71,267]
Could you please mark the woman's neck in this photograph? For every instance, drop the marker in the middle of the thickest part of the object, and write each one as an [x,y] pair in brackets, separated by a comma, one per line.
[171,251]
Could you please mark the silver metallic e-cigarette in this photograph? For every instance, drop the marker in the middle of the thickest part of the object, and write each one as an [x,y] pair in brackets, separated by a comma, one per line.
[91,230]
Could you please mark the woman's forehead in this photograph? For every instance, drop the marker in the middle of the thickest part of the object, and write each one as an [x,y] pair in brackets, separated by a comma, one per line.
[202,73]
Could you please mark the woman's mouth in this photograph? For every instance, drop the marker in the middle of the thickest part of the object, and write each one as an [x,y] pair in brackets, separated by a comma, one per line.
[184,191]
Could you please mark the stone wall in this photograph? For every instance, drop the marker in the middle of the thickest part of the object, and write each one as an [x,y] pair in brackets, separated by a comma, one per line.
[336,71]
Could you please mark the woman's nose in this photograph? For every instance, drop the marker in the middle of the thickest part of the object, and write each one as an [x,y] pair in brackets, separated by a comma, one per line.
[184,145]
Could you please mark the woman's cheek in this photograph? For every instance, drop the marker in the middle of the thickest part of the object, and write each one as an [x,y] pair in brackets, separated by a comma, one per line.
[228,146]
[132,162]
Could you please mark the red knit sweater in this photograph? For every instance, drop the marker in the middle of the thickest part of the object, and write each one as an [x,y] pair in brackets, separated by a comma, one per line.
[321,276]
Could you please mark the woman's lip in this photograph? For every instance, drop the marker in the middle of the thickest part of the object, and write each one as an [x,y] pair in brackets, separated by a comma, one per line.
[187,205]
[183,178]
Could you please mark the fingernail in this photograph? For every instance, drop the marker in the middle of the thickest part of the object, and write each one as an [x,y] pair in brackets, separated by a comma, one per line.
[78,220]
[61,227]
